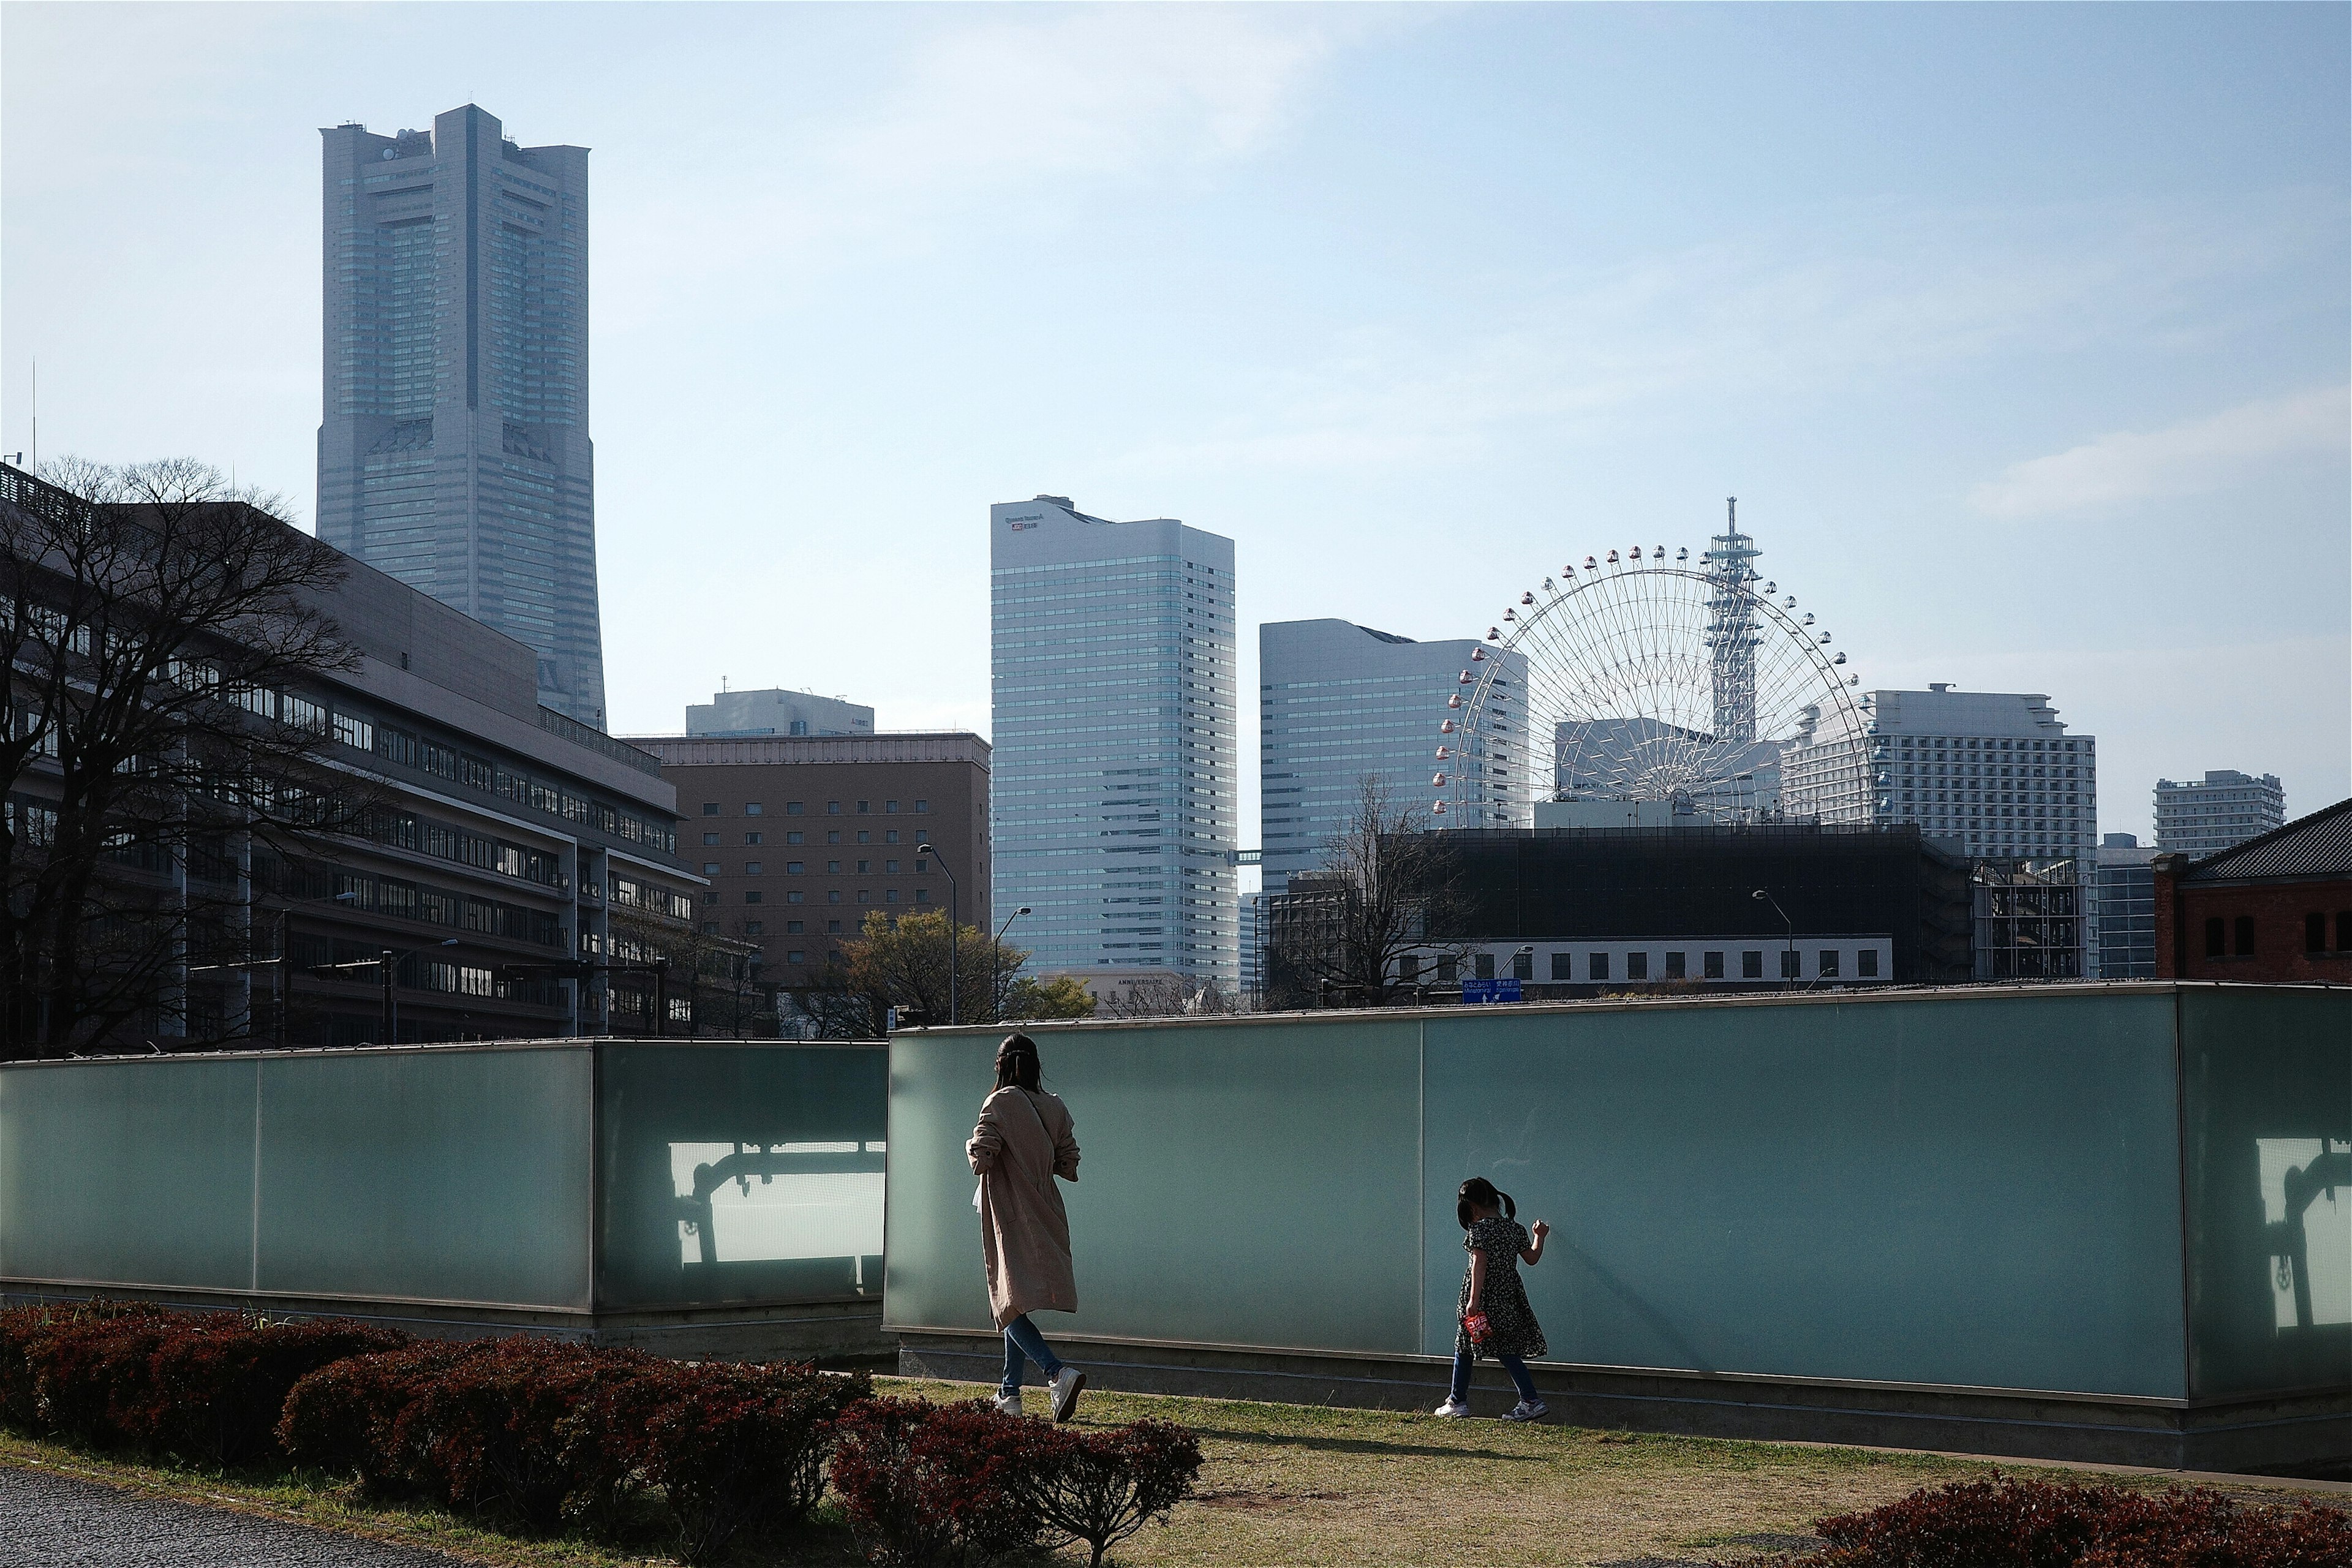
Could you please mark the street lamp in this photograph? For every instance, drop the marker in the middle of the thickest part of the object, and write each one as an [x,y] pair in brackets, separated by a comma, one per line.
[1788,970]
[995,1002]
[955,930]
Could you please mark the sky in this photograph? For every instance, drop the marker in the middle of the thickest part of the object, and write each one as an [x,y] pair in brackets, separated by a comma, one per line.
[2020,330]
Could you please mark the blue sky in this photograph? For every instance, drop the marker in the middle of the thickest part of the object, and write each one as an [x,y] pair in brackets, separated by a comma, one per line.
[2021,330]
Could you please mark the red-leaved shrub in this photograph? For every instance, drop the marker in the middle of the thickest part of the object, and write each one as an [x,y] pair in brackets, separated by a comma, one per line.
[1101,1487]
[89,1375]
[339,1418]
[217,1384]
[487,1433]
[926,1485]
[2010,1523]
[733,1447]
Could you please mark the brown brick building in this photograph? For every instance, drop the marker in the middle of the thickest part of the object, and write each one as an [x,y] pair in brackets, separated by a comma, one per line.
[2275,907]
[802,837]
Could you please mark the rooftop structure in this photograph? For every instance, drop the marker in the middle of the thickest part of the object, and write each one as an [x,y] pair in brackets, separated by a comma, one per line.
[775,712]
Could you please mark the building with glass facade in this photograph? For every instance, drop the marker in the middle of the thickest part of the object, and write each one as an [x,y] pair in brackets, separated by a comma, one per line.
[1339,703]
[1116,737]
[454,451]
[2124,911]
[2220,812]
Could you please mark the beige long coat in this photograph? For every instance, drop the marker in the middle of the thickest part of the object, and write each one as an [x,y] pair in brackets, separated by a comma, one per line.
[1022,1143]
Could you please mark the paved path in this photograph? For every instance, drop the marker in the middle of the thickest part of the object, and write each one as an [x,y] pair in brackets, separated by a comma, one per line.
[54,1521]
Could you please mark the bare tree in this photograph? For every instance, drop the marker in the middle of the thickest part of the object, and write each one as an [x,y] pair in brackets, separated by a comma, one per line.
[1362,929]
[1164,996]
[159,629]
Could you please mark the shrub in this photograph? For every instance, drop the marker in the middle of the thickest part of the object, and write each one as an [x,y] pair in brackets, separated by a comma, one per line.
[924,1485]
[216,1386]
[733,1447]
[339,1418]
[22,1328]
[89,1375]
[2008,1524]
[1102,1487]
[487,1432]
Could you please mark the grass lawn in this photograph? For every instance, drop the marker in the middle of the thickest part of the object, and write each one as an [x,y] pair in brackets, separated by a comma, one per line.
[1286,1484]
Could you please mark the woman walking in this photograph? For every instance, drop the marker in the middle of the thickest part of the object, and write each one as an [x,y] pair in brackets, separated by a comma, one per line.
[1022,1143]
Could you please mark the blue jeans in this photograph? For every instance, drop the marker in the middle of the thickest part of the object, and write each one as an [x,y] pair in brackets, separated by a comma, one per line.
[1511,1363]
[1023,1345]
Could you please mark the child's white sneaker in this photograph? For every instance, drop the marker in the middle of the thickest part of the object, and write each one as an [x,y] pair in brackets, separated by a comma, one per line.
[1452,1408]
[1008,1405]
[1066,1387]
[1528,1410]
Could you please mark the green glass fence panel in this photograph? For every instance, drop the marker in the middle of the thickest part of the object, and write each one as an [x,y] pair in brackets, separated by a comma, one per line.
[2268,1076]
[1979,1191]
[441,1175]
[128,1173]
[1240,1183]
[736,1172]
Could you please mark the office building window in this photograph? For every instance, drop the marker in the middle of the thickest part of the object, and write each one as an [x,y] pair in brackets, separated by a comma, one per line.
[833,809]
[753,897]
[709,897]
[1675,965]
[1483,966]
[1712,966]
[832,928]
[750,838]
[793,868]
[832,895]
[1448,971]
[793,808]
[751,868]
[710,868]
[922,895]
[793,896]
[889,895]
[922,806]
[1865,964]
[793,838]
[754,928]
[1523,966]
[710,808]
[710,838]
[751,808]
[1637,966]
[1788,963]
[1829,963]
[889,808]
[1751,964]
[797,956]
[865,808]
[794,927]
[1563,966]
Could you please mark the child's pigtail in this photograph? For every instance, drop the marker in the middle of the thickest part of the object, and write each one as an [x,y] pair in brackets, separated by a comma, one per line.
[1510,1209]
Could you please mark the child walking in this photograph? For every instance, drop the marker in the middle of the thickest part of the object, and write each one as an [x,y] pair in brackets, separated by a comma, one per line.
[1496,1320]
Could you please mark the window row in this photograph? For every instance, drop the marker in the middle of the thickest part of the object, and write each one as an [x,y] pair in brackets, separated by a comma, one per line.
[832,808]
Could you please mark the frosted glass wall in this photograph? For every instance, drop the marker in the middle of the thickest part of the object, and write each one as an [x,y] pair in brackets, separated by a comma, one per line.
[1975,1189]
[731,1173]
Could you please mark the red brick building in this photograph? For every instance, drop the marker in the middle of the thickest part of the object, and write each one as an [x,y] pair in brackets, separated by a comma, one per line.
[802,837]
[2275,907]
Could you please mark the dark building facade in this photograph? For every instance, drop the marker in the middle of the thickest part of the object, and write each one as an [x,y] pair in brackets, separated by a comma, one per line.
[800,838]
[2275,907]
[507,834]
[1578,910]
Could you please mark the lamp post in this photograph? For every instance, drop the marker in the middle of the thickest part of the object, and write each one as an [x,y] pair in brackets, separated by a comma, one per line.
[1759,893]
[955,930]
[388,962]
[995,976]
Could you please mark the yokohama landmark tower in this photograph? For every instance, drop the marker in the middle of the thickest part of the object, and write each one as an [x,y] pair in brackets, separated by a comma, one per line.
[453,450]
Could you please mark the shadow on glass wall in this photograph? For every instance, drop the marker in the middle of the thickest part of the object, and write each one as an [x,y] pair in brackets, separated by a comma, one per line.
[736,1175]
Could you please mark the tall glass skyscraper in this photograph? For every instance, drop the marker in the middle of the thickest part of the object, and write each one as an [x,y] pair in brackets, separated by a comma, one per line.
[453,450]
[1115,741]
[1338,702]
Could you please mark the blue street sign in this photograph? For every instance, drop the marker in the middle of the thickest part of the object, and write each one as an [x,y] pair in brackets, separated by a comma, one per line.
[1490,991]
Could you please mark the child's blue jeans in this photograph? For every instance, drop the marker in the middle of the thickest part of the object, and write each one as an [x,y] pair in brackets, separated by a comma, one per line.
[1023,1345]
[1511,1363]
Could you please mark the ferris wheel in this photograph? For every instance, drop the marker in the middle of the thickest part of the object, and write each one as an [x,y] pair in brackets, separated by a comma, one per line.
[1639,678]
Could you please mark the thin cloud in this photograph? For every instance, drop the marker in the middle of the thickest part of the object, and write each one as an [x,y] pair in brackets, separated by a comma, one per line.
[2198,455]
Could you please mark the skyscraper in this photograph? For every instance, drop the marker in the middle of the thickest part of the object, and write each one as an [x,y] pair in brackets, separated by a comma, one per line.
[2220,812]
[1117,740]
[1336,703]
[453,450]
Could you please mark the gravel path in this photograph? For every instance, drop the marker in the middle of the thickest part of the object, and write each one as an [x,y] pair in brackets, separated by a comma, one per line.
[51,1521]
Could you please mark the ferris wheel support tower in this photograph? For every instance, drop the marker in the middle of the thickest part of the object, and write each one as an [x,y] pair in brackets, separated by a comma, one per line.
[1732,633]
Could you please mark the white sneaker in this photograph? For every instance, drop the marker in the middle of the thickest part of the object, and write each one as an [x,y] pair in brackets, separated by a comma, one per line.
[1528,1410]
[1008,1405]
[1452,1408]
[1067,1385]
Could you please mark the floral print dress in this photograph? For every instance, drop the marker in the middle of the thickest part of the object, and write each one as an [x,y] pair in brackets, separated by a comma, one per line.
[1511,1326]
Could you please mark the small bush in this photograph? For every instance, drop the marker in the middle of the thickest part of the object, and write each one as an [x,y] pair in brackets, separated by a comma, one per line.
[339,1418]
[485,1434]
[733,1447]
[90,1375]
[926,1485]
[2008,1524]
[216,1386]
[1102,1487]
[22,1328]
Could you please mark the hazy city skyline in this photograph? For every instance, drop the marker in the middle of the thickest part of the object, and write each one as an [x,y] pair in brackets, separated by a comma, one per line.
[2019,332]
